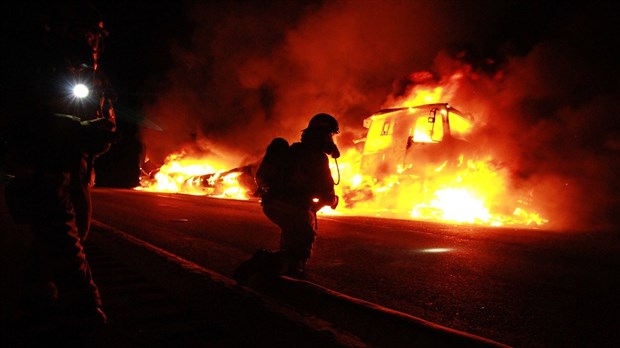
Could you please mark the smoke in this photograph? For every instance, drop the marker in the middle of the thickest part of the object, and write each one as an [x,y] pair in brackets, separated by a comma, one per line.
[249,73]
[538,79]
[551,116]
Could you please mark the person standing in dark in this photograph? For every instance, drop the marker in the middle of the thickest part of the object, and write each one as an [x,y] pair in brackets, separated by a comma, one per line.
[59,119]
[294,184]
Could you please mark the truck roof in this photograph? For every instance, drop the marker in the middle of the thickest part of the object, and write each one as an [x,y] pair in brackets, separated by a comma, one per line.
[425,106]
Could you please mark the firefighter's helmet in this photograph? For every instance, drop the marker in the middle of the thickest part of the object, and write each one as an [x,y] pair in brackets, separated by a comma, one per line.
[324,121]
[75,32]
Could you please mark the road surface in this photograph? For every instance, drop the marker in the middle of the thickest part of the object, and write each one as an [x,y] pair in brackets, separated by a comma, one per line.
[521,287]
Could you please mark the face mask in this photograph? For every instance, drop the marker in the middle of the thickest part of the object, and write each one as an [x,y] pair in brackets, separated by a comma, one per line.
[331,148]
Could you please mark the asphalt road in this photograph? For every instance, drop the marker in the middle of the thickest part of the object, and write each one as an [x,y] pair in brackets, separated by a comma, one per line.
[519,287]
[154,298]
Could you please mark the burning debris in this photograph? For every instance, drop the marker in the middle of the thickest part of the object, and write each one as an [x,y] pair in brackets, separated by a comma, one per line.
[195,176]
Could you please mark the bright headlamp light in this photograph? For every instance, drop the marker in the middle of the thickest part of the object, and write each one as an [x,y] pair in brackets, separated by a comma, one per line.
[80,91]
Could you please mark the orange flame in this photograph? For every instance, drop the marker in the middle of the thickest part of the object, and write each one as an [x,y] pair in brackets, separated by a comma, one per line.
[195,176]
[473,192]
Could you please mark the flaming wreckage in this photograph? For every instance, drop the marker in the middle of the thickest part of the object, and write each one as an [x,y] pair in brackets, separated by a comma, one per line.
[406,140]
[399,141]
[413,162]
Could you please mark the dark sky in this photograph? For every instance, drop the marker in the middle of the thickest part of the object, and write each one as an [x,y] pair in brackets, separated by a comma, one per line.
[224,77]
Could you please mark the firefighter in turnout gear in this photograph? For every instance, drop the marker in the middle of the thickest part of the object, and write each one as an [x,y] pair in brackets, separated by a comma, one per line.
[294,182]
[63,118]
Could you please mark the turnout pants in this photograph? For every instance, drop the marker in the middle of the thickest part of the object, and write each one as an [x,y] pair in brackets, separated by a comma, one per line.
[298,231]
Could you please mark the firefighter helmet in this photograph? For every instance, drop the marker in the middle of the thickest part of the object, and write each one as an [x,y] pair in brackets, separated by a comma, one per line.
[325,121]
[75,33]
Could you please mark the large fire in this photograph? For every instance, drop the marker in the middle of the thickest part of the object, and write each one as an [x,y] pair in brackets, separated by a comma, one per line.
[469,190]
[473,192]
[196,176]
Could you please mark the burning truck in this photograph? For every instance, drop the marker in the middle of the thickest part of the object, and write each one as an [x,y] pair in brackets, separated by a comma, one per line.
[408,146]
[406,140]
[423,162]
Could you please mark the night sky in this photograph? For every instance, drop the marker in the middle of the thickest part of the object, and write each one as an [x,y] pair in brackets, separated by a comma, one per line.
[224,77]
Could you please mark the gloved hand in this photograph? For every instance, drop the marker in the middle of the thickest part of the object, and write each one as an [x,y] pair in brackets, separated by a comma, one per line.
[100,124]
[318,203]
[98,135]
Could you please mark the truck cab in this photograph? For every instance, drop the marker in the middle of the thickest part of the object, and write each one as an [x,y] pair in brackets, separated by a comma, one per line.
[408,140]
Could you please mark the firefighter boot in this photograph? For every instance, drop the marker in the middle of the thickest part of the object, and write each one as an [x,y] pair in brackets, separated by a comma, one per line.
[40,305]
[253,266]
[296,268]
[93,317]
[86,317]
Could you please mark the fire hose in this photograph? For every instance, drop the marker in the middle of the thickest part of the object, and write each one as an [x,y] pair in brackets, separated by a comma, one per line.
[338,171]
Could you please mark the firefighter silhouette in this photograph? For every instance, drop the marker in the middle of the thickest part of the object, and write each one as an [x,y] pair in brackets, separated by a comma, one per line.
[63,118]
[292,199]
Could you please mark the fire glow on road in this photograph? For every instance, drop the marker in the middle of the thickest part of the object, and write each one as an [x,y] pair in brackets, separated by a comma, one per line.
[436,250]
